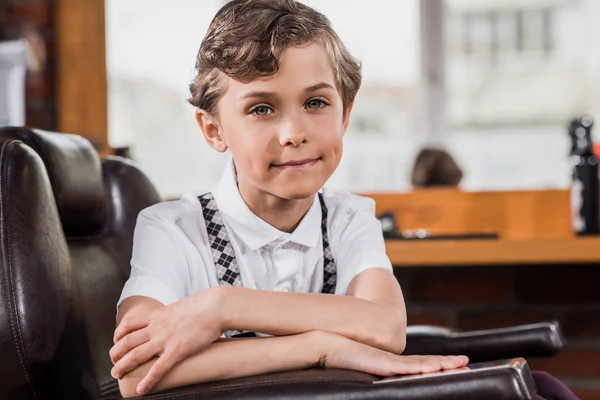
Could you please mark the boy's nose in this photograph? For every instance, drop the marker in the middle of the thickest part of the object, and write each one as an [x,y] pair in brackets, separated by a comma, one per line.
[292,134]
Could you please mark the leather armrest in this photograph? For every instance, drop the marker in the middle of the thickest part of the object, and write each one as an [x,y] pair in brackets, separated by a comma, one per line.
[533,340]
[510,379]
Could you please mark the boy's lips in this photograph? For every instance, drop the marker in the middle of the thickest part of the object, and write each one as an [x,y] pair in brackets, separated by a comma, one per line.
[298,164]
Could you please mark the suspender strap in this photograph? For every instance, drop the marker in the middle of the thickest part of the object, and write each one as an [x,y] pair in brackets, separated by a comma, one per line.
[329,267]
[228,271]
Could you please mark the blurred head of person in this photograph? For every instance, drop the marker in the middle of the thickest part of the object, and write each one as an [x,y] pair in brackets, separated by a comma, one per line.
[435,168]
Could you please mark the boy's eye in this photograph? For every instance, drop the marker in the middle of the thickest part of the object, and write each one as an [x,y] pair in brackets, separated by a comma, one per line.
[315,104]
[261,111]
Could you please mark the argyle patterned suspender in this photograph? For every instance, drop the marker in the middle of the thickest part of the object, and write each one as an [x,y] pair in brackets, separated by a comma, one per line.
[329,267]
[228,270]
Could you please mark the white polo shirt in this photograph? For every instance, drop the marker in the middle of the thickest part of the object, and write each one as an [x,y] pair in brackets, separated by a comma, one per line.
[172,259]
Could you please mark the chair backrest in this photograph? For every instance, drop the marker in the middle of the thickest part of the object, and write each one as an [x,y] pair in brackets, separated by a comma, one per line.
[66,230]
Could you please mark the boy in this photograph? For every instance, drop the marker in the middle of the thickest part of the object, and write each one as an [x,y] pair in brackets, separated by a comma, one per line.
[266,251]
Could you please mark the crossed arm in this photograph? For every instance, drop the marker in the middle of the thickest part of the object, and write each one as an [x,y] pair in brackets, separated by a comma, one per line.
[158,347]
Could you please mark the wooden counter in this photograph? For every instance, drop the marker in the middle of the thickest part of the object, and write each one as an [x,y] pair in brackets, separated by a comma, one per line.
[534,227]
[432,253]
[514,215]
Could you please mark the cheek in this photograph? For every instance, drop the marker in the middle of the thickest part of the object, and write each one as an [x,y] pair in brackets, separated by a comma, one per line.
[252,146]
[241,133]
[256,143]
[329,132]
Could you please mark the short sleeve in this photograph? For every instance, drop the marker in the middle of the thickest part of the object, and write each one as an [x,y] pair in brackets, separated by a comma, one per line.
[159,267]
[358,243]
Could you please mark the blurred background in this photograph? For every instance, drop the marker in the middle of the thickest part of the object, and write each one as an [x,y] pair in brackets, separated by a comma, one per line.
[492,81]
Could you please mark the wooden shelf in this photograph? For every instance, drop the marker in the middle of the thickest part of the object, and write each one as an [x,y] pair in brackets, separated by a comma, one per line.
[432,253]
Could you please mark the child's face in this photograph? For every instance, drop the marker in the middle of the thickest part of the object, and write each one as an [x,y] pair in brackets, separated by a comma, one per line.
[285,131]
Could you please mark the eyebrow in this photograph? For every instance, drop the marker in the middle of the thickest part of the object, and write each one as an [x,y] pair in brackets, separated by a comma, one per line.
[266,95]
[318,86]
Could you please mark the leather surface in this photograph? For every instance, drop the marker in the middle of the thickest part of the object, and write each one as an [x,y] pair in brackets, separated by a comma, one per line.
[63,288]
[36,282]
[498,380]
[74,169]
[532,340]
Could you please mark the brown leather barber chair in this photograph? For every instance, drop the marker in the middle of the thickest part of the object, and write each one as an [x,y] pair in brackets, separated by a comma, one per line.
[66,224]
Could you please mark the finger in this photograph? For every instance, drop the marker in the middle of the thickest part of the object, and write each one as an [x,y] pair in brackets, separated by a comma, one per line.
[128,343]
[157,371]
[452,362]
[425,364]
[129,325]
[415,365]
[135,358]
[401,365]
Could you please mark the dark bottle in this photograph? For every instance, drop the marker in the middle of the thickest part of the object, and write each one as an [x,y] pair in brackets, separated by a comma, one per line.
[584,186]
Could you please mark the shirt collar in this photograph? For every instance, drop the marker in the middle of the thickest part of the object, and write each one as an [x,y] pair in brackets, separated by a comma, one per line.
[252,230]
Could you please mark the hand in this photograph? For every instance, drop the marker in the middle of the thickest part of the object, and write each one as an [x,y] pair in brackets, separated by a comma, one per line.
[171,333]
[347,354]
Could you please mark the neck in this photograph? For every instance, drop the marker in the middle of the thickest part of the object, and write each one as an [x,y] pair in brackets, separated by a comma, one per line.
[283,214]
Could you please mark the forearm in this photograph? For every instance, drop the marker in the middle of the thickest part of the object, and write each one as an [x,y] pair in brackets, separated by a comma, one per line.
[376,324]
[234,359]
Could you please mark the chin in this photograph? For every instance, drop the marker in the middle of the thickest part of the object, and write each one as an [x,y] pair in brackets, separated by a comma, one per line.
[296,190]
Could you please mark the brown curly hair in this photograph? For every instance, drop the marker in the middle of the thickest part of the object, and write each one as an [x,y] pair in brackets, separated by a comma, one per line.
[246,39]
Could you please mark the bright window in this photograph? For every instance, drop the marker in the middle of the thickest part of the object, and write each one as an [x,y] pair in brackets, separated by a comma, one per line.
[516,72]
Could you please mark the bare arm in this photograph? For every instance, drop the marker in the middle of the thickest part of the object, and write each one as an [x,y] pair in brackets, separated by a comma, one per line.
[372,313]
[223,359]
[136,305]
[147,328]
[232,359]
[244,357]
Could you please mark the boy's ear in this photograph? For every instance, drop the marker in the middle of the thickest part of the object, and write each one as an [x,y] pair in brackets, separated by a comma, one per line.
[211,130]
[346,120]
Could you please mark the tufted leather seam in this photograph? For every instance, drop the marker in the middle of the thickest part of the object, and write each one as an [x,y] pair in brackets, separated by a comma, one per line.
[38,147]
[249,386]
[108,217]
[6,251]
